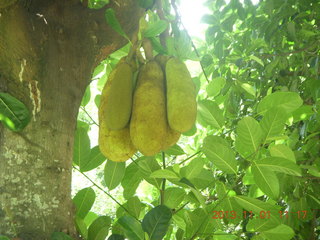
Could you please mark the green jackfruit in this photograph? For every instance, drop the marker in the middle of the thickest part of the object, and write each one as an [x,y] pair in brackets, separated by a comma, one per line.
[148,125]
[181,96]
[117,97]
[115,145]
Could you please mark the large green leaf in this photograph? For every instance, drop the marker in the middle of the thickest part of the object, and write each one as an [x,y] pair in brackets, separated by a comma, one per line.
[131,180]
[131,227]
[221,155]
[249,136]
[193,169]
[83,201]
[282,151]
[81,148]
[281,165]
[266,180]
[86,97]
[289,101]
[13,113]
[173,196]
[281,232]
[156,222]
[215,85]
[93,160]
[81,227]
[272,123]
[114,23]
[147,166]
[210,114]
[155,28]
[113,173]
[99,229]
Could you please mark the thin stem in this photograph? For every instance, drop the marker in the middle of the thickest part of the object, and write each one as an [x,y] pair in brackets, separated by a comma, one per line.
[164,180]
[165,34]
[173,3]
[83,109]
[193,155]
[108,194]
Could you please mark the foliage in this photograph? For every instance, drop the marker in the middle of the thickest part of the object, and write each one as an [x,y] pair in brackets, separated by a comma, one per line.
[249,169]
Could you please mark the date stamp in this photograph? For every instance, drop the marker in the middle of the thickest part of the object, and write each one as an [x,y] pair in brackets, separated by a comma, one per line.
[261,215]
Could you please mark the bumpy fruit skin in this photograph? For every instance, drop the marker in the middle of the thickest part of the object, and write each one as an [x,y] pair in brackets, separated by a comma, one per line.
[171,139]
[115,145]
[172,136]
[181,96]
[117,97]
[148,125]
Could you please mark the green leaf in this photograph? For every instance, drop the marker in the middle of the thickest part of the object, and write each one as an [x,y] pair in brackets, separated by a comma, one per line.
[113,173]
[83,201]
[258,60]
[254,205]
[114,23]
[81,227]
[99,229]
[221,155]
[131,227]
[91,216]
[86,97]
[131,180]
[156,222]
[164,173]
[193,169]
[249,136]
[289,101]
[93,160]
[134,206]
[266,180]
[175,150]
[173,196]
[210,114]
[54,236]
[282,151]
[215,85]
[155,28]
[81,148]
[13,113]
[146,4]
[281,232]
[147,166]
[272,123]
[281,165]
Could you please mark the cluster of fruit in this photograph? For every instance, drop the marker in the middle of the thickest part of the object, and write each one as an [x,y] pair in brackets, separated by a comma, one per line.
[150,116]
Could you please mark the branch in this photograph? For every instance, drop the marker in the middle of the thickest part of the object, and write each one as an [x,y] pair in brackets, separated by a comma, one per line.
[108,194]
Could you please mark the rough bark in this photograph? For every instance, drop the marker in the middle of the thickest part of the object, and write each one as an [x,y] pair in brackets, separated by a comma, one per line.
[48,50]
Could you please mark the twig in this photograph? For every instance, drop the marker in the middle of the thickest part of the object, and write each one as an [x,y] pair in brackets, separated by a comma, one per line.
[195,154]
[94,122]
[164,35]
[108,194]
[173,3]
[164,180]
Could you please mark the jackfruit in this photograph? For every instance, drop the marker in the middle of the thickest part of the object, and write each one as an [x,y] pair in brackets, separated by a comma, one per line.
[148,125]
[117,97]
[181,96]
[115,145]
[172,136]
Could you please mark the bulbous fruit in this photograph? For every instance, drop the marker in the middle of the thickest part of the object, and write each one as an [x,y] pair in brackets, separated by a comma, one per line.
[115,145]
[148,125]
[181,96]
[117,97]
[171,139]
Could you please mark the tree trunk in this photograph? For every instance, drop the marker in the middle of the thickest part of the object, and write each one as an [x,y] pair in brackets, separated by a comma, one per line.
[48,50]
